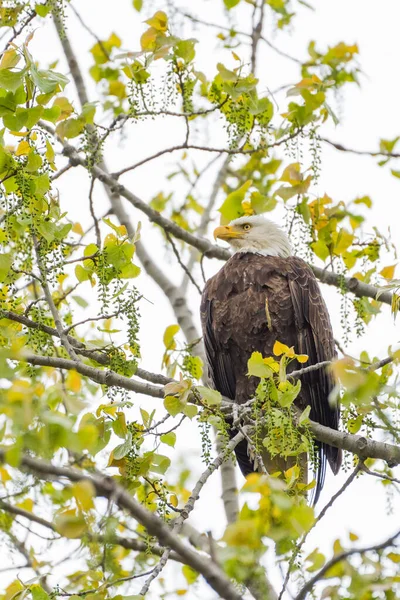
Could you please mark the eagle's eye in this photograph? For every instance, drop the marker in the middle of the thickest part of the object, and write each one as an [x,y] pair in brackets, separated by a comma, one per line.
[246,226]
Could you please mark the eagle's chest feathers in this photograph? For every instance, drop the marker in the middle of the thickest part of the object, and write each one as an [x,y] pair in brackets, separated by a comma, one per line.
[255,298]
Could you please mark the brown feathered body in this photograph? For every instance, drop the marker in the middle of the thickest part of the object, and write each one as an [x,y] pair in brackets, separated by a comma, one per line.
[250,303]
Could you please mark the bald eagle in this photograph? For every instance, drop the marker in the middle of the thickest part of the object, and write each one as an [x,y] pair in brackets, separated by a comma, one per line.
[263,273]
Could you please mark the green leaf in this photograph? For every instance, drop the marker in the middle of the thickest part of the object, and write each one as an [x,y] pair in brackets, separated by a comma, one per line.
[42,9]
[88,112]
[304,417]
[17,121]
[50,154]
[42,184]
[354,425]
[137,4]
[47,229]
[33,114]
[257,367]
[38,592]
[160,464]
[226,74]
[287,397]
[70,128]
[185,50]
[189,574]
[173,405]
[231,3]
[51,114]
[11,80]
[232,206]
[190,410]
[122,449]
[47,81]
[320,249]
[168,438]
[212,397]
[261,203]
[5,265]
[34,162]
[70,525]
[81,273]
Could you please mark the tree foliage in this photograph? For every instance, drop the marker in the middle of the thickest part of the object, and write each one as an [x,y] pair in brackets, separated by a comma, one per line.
[75,424]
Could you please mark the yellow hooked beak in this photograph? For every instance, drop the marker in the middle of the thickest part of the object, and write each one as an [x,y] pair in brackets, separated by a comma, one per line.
[227,232]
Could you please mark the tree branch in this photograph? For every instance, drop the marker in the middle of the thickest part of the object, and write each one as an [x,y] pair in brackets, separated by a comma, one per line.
[338,558]
[106,487]
[359,152]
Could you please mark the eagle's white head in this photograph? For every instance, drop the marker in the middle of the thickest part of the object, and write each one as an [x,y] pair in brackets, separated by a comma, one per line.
[255,234]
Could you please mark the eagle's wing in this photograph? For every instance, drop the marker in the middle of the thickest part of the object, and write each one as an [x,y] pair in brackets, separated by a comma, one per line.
[315,338]
[220,369]
[219,361]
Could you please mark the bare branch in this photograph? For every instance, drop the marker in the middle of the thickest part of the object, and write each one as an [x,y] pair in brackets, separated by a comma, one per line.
[359,152]
[243,33]
[256,35]
[323,512]
[56,316]
[186,146]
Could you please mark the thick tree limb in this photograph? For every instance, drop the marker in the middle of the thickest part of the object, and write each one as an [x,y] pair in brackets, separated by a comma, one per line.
[356,444]
[108,488]
[109,378]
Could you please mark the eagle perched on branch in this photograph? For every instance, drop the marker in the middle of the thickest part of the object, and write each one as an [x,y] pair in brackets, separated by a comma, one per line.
[263,294]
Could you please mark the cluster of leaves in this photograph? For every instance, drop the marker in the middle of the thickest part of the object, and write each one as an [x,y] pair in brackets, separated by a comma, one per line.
[275,408]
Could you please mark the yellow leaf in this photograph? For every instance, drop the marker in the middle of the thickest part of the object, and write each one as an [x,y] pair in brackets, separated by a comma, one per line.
[77,228]
[4,475]
[279,348]
[388,272]
[70,524]
[84,493]
[159,21]
[353,536]
[26,504]
[302,358]
[169,335]
[9,59]
[23,148]
[117,88]
[19,391]
[49,152]
[173,500]
[292,174]
[148,39]
[73,381]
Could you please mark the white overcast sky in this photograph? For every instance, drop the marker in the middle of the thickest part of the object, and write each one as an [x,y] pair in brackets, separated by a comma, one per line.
[368,113]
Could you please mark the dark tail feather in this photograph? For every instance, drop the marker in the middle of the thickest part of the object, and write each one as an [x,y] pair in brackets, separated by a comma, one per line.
[334,458]
[244,462]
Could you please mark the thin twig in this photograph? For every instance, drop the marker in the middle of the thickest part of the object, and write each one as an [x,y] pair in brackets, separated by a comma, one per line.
[95,220]
[323,512]
[182,264]
[339,558]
